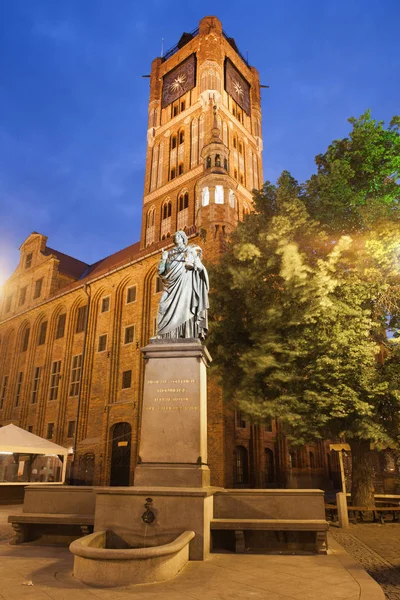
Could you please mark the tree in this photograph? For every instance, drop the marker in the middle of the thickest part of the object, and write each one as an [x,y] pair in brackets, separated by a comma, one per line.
[304,295]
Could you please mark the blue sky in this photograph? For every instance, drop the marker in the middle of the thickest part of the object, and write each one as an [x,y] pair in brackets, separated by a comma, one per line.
[73,104]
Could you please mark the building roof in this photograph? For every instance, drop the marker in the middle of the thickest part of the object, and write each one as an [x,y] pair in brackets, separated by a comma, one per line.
[114,260]
[15,439]
[68,264]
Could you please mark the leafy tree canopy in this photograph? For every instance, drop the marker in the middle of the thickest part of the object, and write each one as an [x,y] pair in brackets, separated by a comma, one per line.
[306,290]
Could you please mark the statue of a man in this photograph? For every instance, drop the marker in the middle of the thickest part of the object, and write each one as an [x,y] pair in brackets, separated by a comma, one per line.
[182,312]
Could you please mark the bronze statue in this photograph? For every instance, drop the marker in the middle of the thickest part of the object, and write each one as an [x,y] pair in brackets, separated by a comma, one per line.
[183,307]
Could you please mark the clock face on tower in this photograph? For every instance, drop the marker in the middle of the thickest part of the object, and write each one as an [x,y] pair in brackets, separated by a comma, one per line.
[179,81]
[237,86]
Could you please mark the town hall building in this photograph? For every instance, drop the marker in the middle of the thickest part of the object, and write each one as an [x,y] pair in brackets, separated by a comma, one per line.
[71,368]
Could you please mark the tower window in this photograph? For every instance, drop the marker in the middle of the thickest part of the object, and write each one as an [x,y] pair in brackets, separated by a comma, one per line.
[219,194]
[180,168]
[173,173]
[173,142]
[166,210]
[182,105]
[181,136]
[175,109]
[183,201]
[205,196]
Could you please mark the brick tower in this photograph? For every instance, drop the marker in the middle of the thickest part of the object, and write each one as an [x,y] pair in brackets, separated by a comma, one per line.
[204,138]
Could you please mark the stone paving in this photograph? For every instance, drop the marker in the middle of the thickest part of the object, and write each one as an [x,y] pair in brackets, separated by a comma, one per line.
[34,572]
[377,548]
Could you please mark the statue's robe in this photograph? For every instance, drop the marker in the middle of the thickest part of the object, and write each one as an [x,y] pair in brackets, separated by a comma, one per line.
[183,306]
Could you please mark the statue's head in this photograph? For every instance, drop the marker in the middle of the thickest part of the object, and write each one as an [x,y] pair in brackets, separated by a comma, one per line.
[180,235]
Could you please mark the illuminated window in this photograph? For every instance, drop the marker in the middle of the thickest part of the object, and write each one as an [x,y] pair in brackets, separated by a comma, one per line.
[219,194]
[205,196]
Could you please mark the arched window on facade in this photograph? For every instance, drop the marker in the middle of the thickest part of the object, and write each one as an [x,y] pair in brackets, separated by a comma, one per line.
[166,212]
[241,466]
[183,210]
[150,225]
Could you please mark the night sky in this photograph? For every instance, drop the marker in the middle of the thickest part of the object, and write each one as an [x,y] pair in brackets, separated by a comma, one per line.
[73,103]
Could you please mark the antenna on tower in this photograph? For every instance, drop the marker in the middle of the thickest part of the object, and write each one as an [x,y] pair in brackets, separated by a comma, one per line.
[162,47]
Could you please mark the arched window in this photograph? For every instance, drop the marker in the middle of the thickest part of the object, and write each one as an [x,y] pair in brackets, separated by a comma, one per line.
[205,196]
[241,465]
[150,217]
[173,142]
[166,210]
[181,136]
[219,194]
[183,201]
[180,168]
[150,230]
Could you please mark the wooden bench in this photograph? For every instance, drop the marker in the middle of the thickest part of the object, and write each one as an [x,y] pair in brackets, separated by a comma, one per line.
[239,526]
[378,512]
[26,525]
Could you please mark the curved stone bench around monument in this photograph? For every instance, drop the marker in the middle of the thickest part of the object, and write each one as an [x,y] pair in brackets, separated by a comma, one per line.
[101,566]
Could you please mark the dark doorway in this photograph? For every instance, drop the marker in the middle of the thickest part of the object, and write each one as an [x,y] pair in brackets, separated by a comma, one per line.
[121,454]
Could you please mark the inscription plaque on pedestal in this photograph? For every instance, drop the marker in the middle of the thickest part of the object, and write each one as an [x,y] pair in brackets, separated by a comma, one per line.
[173,439]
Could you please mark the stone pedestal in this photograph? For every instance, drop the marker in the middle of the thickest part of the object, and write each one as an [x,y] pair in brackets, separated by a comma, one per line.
[173,438]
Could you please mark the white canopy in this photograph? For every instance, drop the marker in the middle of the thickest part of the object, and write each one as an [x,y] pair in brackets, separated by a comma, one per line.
[15,439]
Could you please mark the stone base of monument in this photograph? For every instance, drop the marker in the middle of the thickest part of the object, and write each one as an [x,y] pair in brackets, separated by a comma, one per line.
[172,494]
[173,439]
[173,510]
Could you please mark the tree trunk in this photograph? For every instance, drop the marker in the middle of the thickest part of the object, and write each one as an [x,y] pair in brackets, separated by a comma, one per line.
[362,478]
